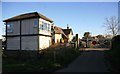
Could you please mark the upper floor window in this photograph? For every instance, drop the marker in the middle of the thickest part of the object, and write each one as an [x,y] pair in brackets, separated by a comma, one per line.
[36,23]
[48,27]
[45,26]
[9,28]
[41,24]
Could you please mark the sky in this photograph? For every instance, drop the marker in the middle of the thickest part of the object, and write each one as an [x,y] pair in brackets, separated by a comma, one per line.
[80,16]
[119,16]
[60,0]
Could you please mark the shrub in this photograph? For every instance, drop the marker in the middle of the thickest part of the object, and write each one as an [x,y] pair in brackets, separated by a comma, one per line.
[19,55]
[114,53]
[60,53]
[51,59]
[115,43]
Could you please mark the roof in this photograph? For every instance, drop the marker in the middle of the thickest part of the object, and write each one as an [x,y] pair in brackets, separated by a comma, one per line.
[27,16]
[59,30]
[67,31]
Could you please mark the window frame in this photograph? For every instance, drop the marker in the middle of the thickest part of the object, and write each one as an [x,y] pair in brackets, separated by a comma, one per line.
[41,25]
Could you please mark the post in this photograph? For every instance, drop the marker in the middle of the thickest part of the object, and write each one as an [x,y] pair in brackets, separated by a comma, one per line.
[87,43]
[76,40]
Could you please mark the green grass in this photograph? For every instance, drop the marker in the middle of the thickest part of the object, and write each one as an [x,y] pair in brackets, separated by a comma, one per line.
[46,63]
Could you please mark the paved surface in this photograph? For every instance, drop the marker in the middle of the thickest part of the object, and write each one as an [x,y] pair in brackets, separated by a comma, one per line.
[88,61]
[100,49]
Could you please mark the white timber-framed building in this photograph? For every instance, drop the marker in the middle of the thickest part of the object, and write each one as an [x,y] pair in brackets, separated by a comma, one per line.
[30,31]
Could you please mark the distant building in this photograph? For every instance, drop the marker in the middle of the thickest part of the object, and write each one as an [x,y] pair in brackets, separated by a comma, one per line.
[30,31]
[58,35]
[62,35]
[69,33]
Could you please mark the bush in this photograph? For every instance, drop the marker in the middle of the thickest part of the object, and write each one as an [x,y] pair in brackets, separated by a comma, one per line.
[116,43]
[115,48]
[114,53]
[60,54]
[20,55]
[55,57]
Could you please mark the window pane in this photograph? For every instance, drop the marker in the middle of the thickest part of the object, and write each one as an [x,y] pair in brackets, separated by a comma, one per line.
[45,26]
[48,27]
[35,23]
[9,28]
[41,26]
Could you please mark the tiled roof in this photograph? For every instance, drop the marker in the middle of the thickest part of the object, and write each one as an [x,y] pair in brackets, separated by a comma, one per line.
[27,16]
[59,30]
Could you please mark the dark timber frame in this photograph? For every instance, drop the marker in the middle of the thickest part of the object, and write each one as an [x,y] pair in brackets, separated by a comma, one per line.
[6,35]
[28,35]
[20,36]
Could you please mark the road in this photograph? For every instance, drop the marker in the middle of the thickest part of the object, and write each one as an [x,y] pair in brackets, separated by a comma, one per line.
[89,61]
[99,49]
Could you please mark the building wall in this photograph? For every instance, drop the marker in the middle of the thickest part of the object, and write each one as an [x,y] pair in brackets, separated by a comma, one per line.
[30,43]
[44,31]
[70,37]
[13,43]
[16,28]
[58,37]
[27,42]
[29,26]
[44,42]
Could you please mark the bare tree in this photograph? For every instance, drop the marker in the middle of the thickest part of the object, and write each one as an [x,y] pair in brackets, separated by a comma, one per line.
[112,25]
